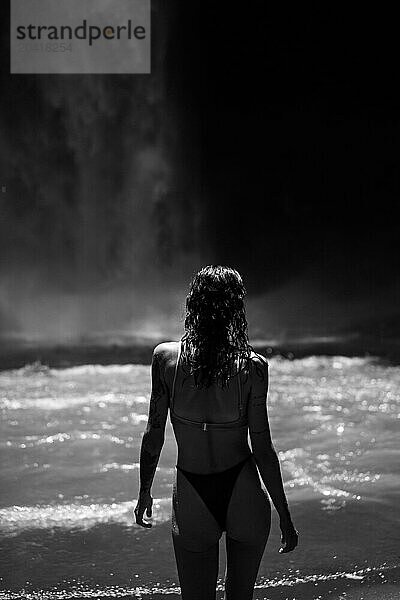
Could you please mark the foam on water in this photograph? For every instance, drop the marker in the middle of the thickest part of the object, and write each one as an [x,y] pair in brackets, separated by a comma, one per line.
[15,519]
[69,401]
[296,581]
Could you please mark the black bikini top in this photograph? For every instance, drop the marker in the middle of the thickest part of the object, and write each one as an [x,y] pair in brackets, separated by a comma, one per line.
[236,424]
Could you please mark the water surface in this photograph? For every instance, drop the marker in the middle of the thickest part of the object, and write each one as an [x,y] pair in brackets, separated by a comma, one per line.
[70,443]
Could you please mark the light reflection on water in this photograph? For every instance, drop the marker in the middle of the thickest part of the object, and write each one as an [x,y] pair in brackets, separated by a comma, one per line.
[69,444]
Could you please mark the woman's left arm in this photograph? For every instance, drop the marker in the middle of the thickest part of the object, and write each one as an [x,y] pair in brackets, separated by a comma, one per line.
[153,438]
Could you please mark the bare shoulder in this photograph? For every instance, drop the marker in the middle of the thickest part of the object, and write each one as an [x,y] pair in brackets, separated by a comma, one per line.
[259,366]
[166,354]
[257,358]
[166,350]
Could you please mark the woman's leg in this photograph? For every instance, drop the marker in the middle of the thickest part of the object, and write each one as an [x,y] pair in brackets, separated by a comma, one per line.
[243,561]
[197,571]
[248,527]
[195,535]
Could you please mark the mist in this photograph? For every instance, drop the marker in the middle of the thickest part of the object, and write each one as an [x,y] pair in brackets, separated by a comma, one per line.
[98,234]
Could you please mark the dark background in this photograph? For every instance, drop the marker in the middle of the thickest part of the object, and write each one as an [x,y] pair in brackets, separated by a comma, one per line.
[300,137]
[267,140]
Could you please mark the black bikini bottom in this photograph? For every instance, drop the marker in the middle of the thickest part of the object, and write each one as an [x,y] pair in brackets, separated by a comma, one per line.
[215,489]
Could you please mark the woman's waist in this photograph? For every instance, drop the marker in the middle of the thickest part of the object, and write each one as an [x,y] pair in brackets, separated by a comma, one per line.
[215,469]
[198,457]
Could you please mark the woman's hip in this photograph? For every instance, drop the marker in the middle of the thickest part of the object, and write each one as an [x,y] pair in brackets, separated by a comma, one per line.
[198,517]
[249,512]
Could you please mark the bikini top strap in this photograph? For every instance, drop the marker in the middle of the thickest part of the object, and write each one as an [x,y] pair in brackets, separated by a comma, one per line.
[175,373]
[239,387]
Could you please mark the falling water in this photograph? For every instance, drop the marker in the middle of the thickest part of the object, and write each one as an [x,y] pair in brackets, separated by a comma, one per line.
[97,219]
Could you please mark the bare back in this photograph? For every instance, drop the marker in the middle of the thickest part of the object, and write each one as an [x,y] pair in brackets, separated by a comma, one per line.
[210,424]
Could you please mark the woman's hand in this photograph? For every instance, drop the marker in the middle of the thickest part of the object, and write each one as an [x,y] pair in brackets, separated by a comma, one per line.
[144,504]
[290,536]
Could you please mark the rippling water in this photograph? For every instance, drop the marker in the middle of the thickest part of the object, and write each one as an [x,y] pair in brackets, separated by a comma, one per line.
[69,472]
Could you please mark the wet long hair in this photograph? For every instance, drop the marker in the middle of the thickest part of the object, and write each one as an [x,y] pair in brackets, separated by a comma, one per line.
[215,326]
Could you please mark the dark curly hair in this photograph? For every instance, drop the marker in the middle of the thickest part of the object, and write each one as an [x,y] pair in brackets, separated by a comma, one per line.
[215,326]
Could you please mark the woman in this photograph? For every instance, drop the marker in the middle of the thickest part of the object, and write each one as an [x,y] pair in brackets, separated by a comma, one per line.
[215,387]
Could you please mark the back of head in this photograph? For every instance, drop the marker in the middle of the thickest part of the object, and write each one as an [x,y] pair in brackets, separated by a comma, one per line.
[215,325]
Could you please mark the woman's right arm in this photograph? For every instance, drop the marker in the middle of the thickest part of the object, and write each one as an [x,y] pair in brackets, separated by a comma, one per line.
[264,452]
[153,438]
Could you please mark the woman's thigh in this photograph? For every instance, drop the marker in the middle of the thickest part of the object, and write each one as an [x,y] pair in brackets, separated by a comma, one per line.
[249,512]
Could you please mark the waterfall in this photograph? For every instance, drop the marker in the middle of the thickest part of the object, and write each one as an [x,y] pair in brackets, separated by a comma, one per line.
[97,221]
